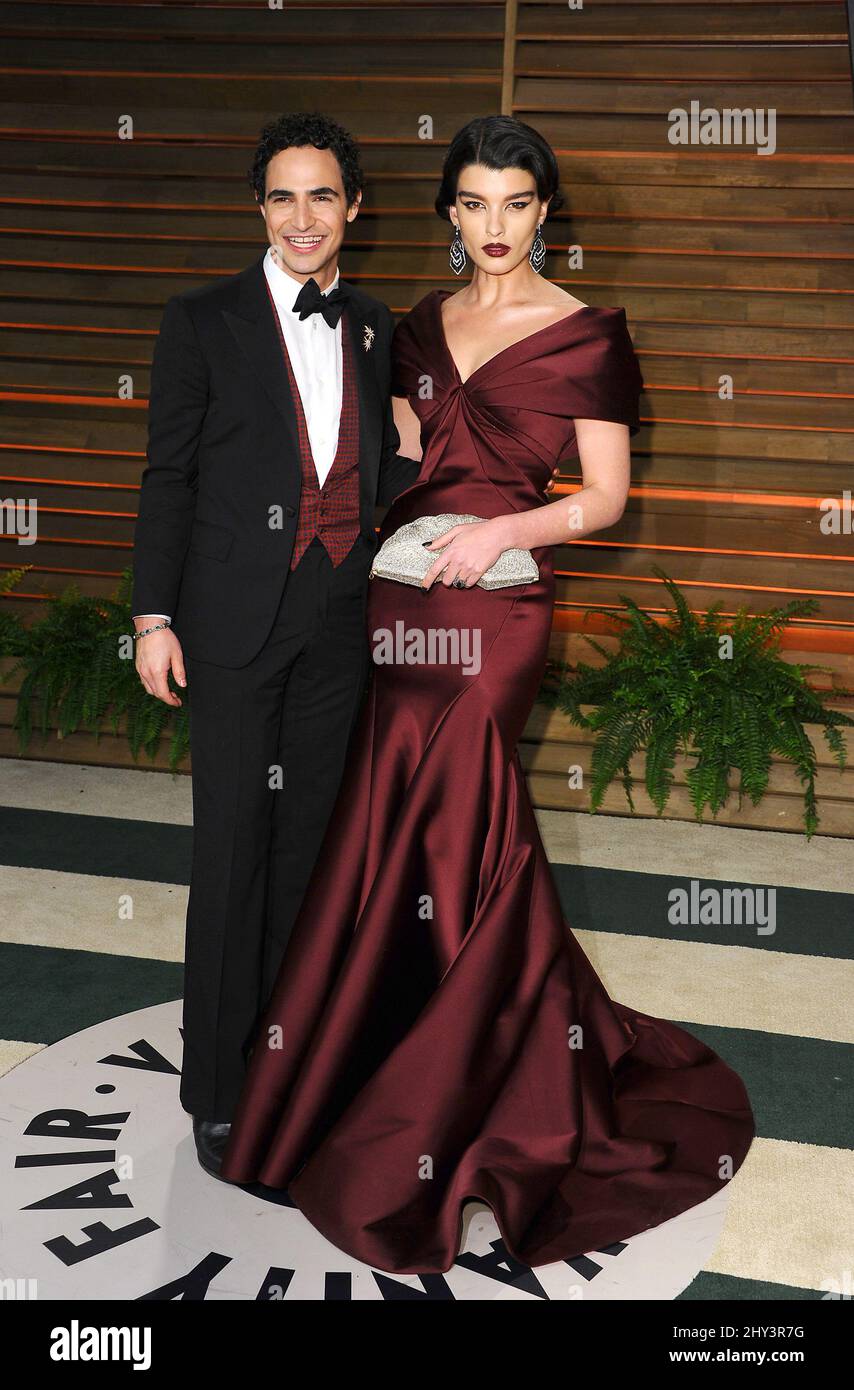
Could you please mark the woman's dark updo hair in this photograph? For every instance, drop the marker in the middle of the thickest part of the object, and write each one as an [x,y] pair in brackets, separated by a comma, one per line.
[500,142]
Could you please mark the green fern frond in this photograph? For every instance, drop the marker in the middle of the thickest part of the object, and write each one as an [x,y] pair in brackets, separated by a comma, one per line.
[661,749]
[717,689]
[74,677]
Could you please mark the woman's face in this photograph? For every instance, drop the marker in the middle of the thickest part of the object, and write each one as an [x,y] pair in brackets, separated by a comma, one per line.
[497,211]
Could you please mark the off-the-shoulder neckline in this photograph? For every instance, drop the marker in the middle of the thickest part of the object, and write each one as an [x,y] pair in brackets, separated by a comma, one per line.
[438,295]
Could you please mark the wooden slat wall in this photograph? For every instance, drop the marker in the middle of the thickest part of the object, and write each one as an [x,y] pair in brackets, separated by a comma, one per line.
[726,261]
[97,232]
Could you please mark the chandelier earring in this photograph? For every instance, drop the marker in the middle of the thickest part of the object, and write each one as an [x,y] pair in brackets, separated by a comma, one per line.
[457,257]
[537,253]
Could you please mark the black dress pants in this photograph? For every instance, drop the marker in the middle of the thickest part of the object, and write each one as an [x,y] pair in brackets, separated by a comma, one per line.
[268,743]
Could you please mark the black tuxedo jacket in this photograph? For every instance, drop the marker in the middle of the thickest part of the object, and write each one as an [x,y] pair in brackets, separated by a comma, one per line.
[223,460]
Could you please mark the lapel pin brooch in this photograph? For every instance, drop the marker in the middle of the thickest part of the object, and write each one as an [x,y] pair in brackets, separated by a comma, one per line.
[367,341]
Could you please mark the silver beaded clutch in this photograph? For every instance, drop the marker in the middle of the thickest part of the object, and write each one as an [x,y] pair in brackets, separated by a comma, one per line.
[403,557]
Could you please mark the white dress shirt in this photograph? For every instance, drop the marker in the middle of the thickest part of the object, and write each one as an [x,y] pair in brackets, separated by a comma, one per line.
[318,365]
[317,360]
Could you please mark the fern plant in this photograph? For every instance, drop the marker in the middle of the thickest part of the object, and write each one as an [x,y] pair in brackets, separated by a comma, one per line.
[715,690]
[11,627]
[78,672]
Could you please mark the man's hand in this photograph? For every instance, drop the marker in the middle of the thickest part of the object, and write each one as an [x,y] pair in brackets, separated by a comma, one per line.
[157,654]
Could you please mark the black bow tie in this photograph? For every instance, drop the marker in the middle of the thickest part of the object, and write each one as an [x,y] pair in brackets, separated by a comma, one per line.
[311,300]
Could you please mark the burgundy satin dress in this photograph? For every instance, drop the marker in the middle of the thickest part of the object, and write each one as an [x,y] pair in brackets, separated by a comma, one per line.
[432,998]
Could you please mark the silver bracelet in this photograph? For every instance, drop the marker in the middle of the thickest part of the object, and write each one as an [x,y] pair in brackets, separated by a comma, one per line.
[146,630]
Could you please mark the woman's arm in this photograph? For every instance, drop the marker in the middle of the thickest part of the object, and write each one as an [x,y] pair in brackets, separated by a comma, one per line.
[603,448]
[398,468]
[408,427]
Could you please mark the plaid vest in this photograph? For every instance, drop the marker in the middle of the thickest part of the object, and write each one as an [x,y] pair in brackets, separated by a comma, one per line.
[330,512]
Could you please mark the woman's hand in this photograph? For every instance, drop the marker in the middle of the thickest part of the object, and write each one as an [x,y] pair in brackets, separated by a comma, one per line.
[468,551]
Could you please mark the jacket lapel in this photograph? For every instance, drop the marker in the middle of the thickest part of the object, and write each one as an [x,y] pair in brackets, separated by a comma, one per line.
[254,330]
[362,318]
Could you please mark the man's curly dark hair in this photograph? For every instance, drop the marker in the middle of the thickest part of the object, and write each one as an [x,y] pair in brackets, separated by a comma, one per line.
[307,128]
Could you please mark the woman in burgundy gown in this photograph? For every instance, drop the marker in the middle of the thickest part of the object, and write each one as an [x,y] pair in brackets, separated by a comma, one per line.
[438,1034]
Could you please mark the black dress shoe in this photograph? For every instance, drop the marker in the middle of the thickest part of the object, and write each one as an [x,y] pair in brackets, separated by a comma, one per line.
[211,1137]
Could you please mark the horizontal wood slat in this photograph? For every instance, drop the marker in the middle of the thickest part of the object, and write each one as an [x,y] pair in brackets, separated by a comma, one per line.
[675,23]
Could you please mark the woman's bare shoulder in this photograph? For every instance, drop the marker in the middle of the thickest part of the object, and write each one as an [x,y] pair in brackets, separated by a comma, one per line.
[563,302]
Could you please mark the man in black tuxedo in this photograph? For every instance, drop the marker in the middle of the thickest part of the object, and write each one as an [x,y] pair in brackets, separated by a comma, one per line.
[271,441]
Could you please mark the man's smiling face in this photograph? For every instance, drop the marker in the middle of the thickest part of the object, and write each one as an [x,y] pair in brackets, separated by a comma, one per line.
[305,212]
